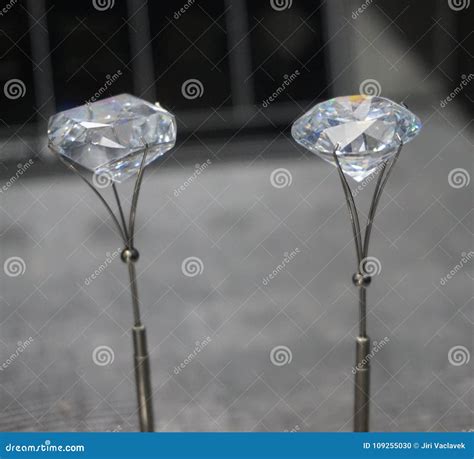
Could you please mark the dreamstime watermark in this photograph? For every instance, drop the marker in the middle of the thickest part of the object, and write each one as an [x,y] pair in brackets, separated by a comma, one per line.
[458,5]
[356,13]
[465,258]
[294,429]
[281,355]
[192,89]
[459,178]
[109,258]
[14,267]
[198,170]
[103,356]
[459,355]
[287,80]
[370,87]
[376,347]
[281,5]
[22,168]
[370,266]
[21,347]
[103,5]
[192,266]
[200,345]
[110,79]
[103,179]
[281,178]
[183,9]
[45,447]
[465,80]
[14,89]
[287,258]
[8,7]
[373,175]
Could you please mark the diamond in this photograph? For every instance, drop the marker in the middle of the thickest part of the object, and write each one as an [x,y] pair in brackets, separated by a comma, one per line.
[108,137]
[366,129]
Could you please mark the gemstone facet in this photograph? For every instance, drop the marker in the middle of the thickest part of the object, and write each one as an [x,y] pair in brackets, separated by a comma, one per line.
[367,130]
[109,136]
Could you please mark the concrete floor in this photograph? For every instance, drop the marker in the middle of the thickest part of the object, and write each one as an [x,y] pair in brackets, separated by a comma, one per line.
[240,227]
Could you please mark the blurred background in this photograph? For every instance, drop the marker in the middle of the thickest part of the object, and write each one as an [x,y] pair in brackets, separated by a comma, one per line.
[240,200]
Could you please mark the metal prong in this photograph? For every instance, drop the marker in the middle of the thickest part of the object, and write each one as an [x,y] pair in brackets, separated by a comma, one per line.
[351,206]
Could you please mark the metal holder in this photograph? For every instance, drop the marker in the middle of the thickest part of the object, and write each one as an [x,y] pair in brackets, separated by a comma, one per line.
[361,279]
[130,256]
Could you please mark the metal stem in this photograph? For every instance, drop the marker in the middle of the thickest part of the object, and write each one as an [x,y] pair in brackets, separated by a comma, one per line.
[351,206]
[140,348]
[361,280]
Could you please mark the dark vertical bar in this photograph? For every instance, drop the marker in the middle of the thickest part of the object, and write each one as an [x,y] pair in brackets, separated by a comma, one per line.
[239,57]
[140,46]
[40,55]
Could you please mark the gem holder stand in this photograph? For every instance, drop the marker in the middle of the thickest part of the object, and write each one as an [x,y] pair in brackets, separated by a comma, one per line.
[130,256]
[361,279]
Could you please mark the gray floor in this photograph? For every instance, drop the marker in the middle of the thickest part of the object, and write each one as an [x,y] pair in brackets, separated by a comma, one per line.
[240,227]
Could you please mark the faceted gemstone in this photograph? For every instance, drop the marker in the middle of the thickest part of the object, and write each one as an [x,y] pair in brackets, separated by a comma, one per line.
[108,137]
[366,130]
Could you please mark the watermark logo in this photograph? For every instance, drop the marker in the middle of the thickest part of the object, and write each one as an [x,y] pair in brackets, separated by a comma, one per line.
[102,180]
[376,347]
[459,178]
[287,80]
[281,5]
[103,356]
[459,355]
[370,87]
[356,13]
[287,258]
[8,7]
[109,81]
[183,9]
[21,347]
[465,80]
[370,266]
[198,170]
[458,5]
[14,266]
[192,89]
[465,258]
[109,258]
[281,356]
[22,168]
[14,89]
[192,266]
[200,345]
[103,5]
[281,178]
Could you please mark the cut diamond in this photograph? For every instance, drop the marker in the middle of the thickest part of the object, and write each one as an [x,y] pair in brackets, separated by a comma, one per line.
[366,129]
[108,136]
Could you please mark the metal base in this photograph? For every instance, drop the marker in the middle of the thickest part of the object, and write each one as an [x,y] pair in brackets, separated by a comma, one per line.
[143,379]
[362,385]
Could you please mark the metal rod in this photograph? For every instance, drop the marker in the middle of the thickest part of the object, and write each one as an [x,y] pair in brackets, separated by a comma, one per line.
[136,193]
[130,256]
[351,206]
[361,280]
[143,379]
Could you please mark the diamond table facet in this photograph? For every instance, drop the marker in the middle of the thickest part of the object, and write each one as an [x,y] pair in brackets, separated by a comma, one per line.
[109,136]
[366,130]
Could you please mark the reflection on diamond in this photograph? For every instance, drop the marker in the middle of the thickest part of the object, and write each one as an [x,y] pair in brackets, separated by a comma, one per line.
[366,128]
[108,136]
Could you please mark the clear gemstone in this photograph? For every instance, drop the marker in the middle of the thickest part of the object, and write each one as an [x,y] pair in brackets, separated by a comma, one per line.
[367,130]
[108,136]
